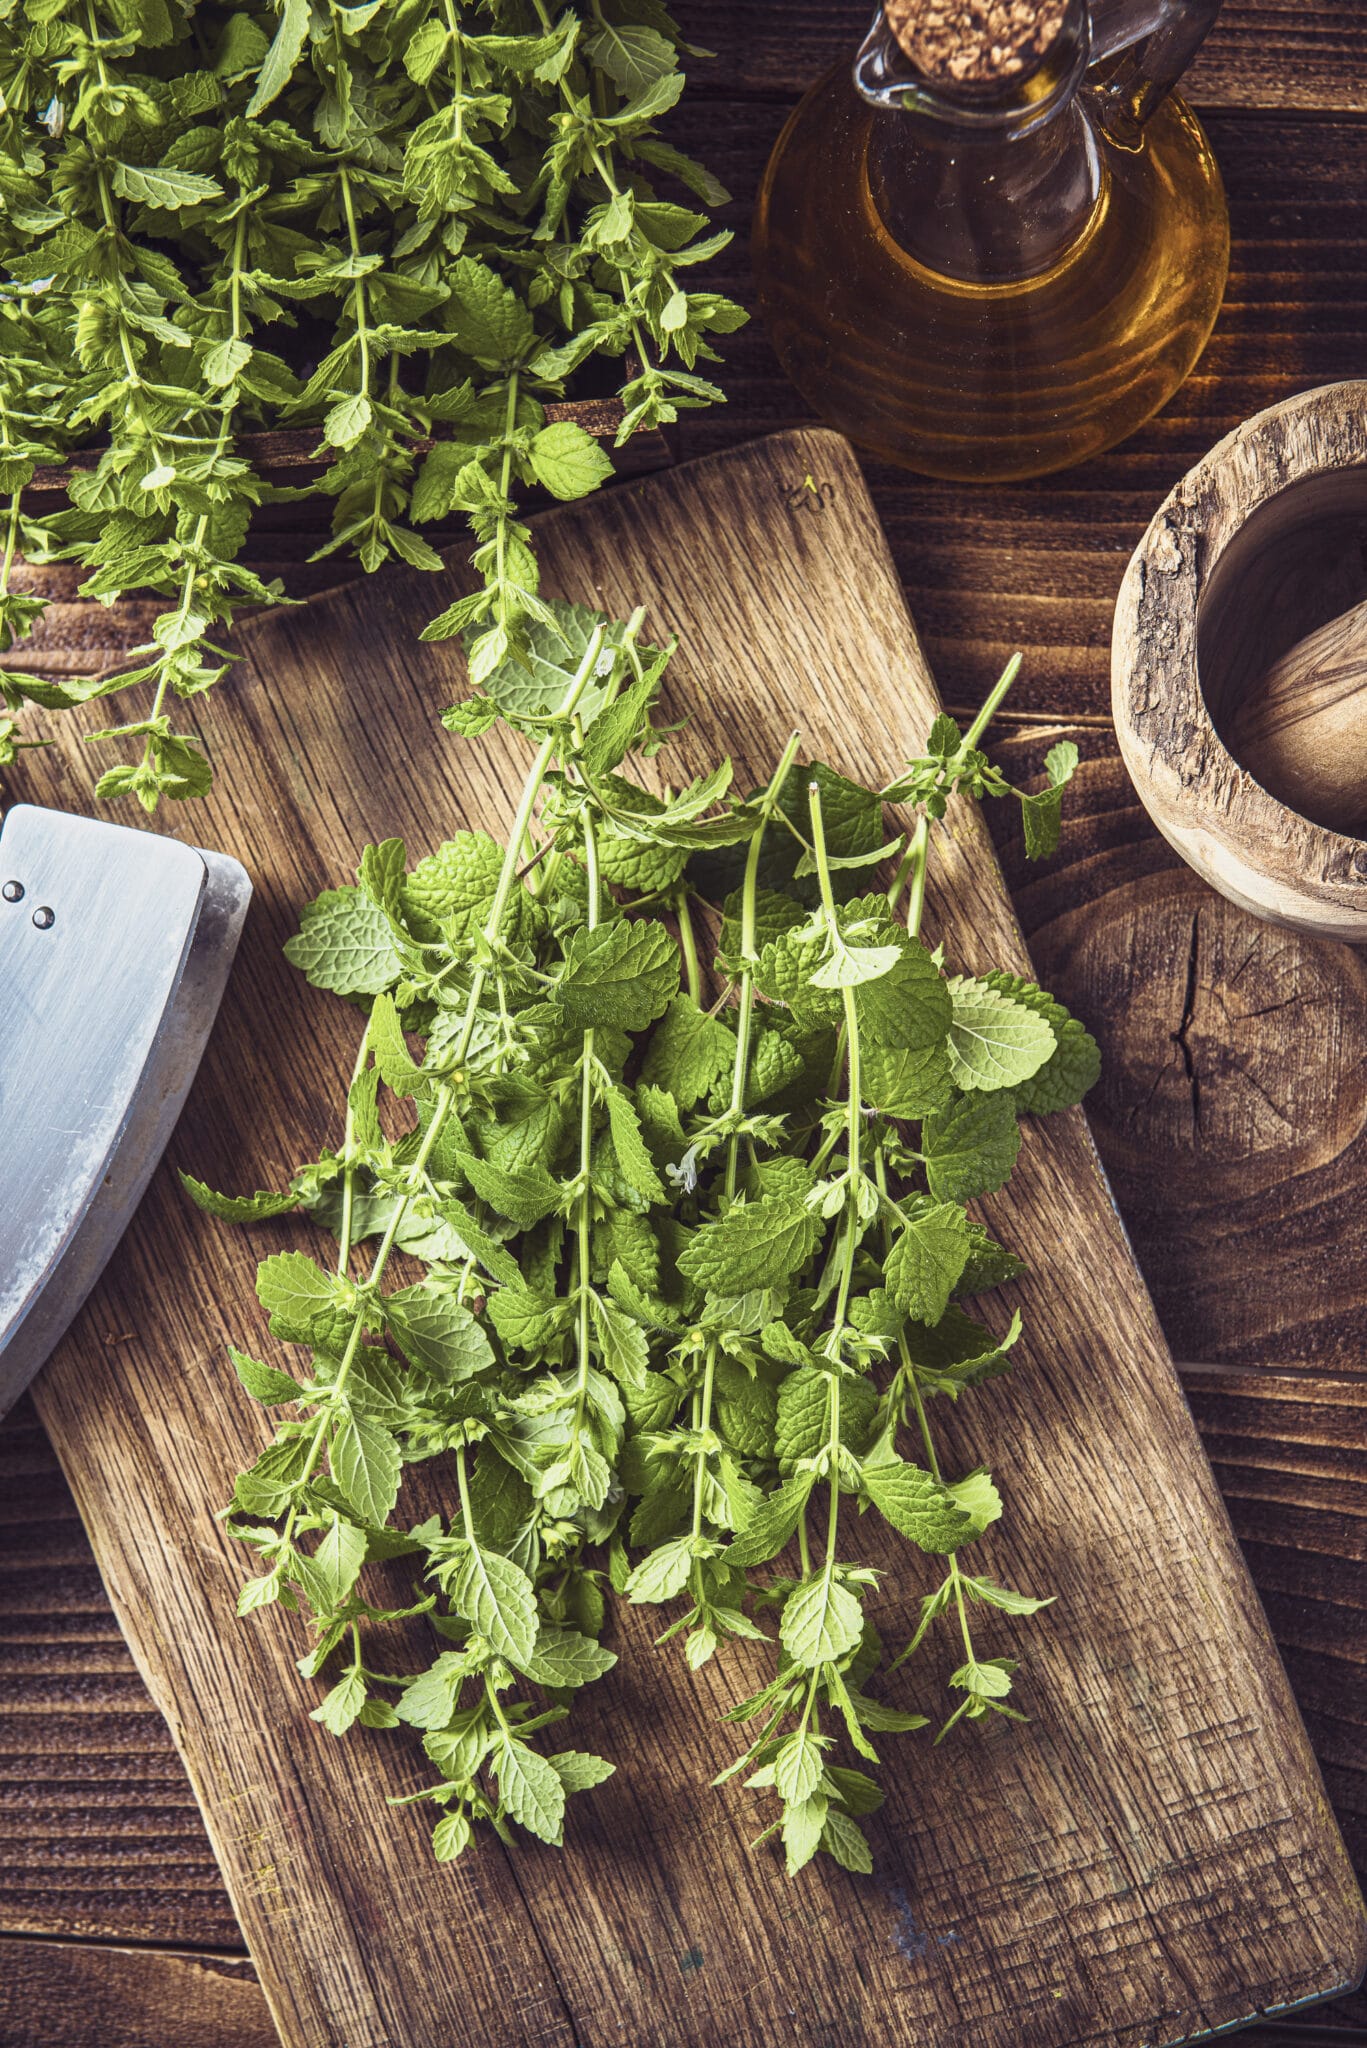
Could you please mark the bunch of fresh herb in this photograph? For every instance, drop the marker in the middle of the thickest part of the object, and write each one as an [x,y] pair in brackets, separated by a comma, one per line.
[403,224]
[696,1249]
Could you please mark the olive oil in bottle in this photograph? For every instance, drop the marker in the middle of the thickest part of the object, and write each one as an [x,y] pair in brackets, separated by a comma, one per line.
[993,277]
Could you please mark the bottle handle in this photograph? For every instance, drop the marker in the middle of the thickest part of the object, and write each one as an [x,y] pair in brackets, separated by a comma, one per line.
[1139,51]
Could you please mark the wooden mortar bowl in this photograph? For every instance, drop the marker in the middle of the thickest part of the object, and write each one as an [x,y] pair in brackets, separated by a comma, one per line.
[1261,543]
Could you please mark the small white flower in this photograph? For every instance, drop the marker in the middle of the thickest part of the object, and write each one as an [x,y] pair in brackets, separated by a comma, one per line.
[685,1174]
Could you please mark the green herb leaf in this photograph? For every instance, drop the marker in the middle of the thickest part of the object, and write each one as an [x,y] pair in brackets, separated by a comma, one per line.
[971,1147]
[365,1464]
[754,1245]
[345,942]
[531,1789]
[919,1506]
[497,1596]
[822,1621]
[994,1042]
[927,1258]
[622,973]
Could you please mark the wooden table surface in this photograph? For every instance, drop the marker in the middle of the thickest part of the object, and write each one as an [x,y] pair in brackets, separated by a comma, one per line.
[1232,1115]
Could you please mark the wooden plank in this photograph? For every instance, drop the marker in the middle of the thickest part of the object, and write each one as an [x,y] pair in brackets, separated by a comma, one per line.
[1268,54]
[1154,1854]
[90,1789]
[99,1831]
[87,1995]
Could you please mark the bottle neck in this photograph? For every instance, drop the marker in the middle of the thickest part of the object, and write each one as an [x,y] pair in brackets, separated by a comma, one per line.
[989,183]
[985,211]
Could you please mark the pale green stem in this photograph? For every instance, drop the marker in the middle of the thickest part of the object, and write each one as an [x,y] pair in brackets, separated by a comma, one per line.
[992,703]
[446,1095]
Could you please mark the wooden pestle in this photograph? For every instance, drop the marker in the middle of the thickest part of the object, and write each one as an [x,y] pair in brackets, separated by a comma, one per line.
[1302,731]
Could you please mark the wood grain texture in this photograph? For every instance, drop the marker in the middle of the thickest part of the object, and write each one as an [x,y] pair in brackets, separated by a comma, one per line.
[99,1831]
[1155,1857]
[1219,585]
[1290,1459]
[58,1994]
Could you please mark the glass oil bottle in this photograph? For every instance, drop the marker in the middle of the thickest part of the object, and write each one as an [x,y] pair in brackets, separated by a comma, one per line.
[991,278]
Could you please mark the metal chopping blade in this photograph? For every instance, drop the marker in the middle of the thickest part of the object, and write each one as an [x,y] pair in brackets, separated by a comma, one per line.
[115,948]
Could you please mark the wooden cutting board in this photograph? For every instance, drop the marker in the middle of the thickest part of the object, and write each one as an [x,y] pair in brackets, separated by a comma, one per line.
[1151,1858]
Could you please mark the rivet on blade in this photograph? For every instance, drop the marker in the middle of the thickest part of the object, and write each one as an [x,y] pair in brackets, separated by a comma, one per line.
[13,892]
[44,918]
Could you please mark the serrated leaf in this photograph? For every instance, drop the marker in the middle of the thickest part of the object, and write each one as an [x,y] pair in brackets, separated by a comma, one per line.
[345,943]
[632,55]
[451,1837]
[524,1197]
[488,320]
[498,1263]
[1041,813]
[224,360]
[1003,1597]
[329,1574]
[1073,1066]
[623,973]
[162,186]
[853,966]
[971,1147]
[555,648]
[906,1083]
[959,1351]
[302,1300]
[348,420]
[803,1411]
[277,68]
[978,1498]
[634,1161]
[994,1041]
[802,1830]
[429,1700]
[909,1008]
[842,1838]
[1042,819]
[563,1657]
[567,461]
[622,1343]
[822,1621]
[688,1052]
[929,1253]
[436,1332]
[989,1264]
[919,1507]
[755,1245]
[773,1523]
[497,1597]
[578,1771]
[365,1464]
[342,1705]
[531,1790]
[239,1208]
[662,1575]
[989,1679]
[798,1767]
[264,1382]
[259,1592]
[386,1040]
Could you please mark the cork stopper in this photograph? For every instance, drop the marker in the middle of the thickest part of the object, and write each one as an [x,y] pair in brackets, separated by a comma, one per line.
[974,42]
